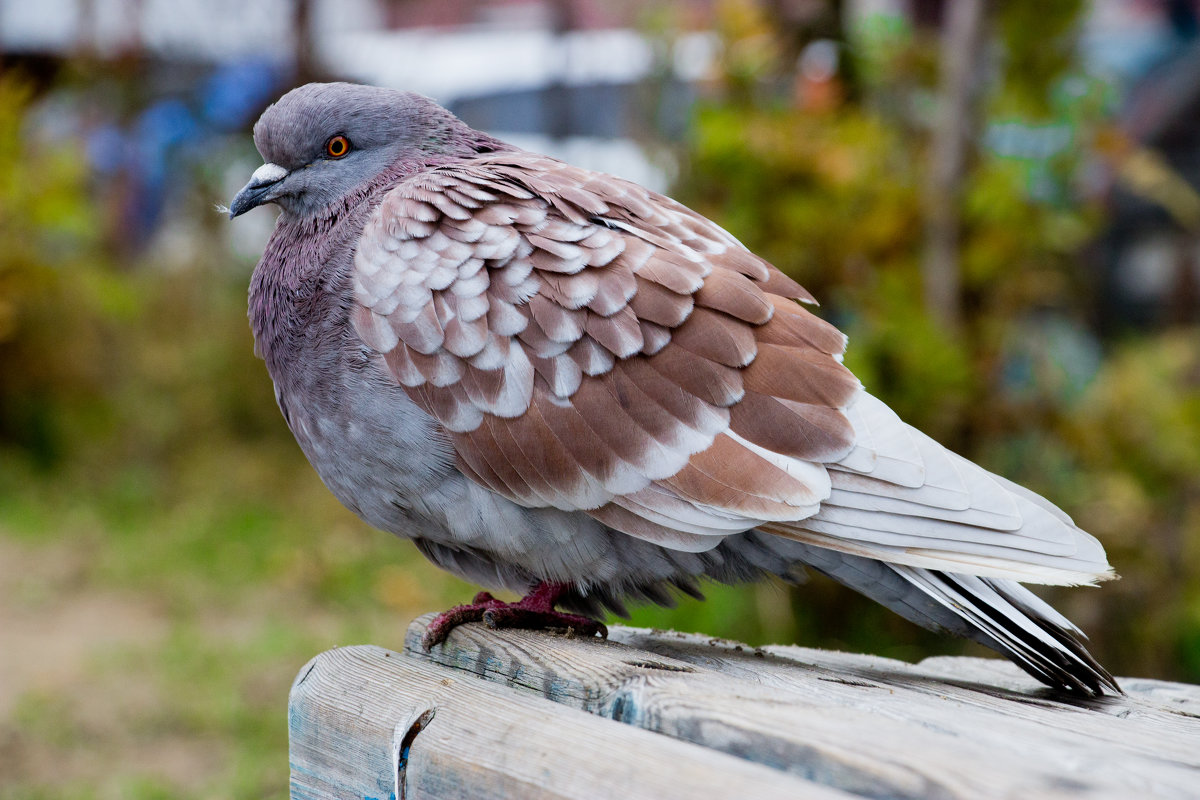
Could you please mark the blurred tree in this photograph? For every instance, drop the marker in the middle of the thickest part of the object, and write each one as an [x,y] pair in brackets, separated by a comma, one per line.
[955,126]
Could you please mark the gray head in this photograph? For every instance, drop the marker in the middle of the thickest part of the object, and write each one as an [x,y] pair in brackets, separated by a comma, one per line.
[323,140]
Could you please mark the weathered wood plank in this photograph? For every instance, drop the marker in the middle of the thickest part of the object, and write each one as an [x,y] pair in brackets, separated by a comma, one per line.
[368,723]
[1159,720]
[870,726]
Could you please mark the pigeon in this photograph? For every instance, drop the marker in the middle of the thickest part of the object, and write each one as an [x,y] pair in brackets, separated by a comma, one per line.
[559,383]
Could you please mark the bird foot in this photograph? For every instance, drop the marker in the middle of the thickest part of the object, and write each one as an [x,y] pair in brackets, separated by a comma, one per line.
[535,611]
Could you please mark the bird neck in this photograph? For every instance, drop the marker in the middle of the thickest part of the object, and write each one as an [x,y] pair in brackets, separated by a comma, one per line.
[295,292]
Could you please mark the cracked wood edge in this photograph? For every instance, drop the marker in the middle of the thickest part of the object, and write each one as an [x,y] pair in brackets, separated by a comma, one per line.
[365,722]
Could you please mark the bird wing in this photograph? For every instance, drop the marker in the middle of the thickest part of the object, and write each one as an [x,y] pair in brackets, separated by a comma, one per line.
[593,346]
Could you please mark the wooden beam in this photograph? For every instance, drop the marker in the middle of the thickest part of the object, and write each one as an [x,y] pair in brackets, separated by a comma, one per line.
[665,715]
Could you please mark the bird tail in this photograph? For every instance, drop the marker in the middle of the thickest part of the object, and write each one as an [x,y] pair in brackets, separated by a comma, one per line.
[997,613]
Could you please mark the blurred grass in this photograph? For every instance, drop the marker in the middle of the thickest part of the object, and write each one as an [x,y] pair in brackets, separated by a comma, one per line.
[210,606]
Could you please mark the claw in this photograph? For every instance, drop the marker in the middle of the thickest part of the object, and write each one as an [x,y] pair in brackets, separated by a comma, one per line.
[535,611]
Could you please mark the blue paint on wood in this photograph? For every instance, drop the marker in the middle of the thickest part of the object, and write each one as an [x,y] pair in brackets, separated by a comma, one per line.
[625,709]
[559,690]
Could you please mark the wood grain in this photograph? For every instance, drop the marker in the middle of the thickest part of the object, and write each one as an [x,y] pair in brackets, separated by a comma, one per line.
[951,727]
[672,715]
[351,717]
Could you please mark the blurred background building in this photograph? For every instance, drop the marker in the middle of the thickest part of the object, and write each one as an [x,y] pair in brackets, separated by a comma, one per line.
[998,202]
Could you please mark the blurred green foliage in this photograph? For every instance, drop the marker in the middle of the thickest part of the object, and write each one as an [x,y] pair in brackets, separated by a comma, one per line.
[49,288]
[145,471]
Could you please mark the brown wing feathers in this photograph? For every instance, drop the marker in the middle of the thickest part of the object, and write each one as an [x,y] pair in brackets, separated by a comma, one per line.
[592,345]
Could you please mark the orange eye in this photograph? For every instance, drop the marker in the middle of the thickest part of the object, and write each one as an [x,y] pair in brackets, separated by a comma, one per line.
[337,146]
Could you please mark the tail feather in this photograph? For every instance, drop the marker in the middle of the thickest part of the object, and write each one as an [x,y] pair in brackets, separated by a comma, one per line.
[901,497]
[997,613]
[1013,621]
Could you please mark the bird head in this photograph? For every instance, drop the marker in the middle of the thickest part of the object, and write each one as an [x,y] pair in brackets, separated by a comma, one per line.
[322,140]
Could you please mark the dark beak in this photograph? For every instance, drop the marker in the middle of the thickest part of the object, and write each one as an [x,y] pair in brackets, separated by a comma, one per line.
[262,188]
